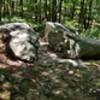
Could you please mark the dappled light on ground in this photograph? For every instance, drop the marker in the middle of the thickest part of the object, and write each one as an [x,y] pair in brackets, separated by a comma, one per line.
[49,82]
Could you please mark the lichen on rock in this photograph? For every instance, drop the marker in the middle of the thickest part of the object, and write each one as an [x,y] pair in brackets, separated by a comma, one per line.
[20,42]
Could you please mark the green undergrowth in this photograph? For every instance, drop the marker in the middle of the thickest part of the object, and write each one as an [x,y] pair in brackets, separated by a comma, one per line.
[93,32]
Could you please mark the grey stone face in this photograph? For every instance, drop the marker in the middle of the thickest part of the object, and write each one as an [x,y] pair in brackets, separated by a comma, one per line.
[23,41]
[59,41]
[74,45]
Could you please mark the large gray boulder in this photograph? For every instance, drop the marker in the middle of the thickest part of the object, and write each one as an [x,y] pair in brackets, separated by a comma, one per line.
[57,39]
[74,45]
[22,42]
[49,58]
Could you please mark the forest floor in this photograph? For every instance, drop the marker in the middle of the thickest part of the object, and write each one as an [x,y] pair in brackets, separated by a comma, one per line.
[50,82]
[40,82]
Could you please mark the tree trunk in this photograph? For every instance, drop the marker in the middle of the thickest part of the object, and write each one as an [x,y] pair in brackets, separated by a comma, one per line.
[4,9]
[81,15]
[60,9]
[0,9]
[54,10]
[36,11]
[50,11]
[89,22]
[21,8]
[46,9]
[73,9]
[12,8]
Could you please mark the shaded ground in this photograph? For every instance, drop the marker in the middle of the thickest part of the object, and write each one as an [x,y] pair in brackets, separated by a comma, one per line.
[49,83]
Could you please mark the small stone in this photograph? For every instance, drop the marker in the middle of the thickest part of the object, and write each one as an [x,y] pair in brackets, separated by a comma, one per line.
[44,73]
[71,72]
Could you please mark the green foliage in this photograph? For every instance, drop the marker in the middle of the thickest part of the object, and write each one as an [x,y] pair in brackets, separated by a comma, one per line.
[84,12]
[72,24]
[93,32]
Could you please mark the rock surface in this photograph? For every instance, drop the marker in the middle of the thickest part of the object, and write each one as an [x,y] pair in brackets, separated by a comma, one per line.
[57,39]
[18,41]
[73,44]
[46,57]
[20,46]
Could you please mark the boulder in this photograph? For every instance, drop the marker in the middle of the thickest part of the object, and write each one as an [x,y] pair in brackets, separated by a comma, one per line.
[49,58]
[58,41]
[18,41]
[74,45]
